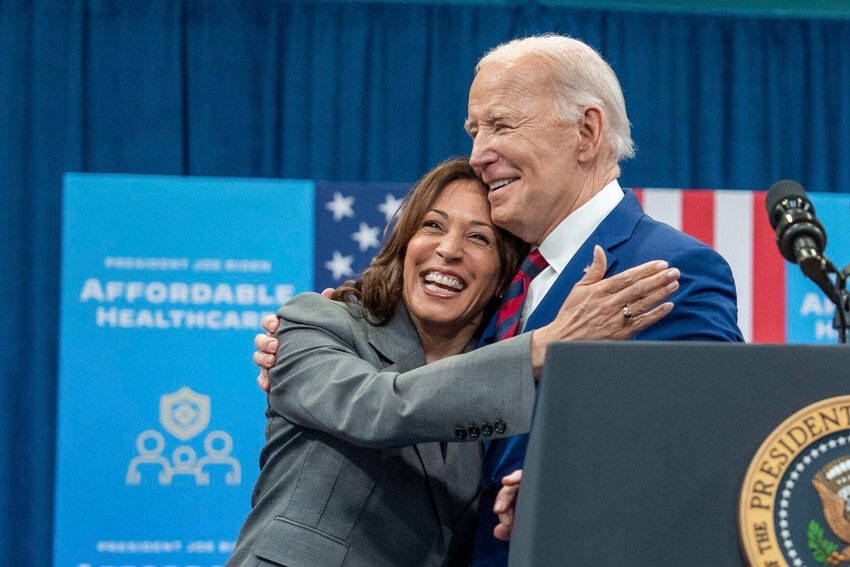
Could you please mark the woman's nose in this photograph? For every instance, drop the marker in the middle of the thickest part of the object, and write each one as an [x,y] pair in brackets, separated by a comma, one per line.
[450,246]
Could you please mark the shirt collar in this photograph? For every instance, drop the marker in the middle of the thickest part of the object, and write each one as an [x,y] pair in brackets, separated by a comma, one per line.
[564,241]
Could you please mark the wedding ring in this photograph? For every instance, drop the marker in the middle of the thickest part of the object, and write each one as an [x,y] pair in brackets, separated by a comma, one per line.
[627,314]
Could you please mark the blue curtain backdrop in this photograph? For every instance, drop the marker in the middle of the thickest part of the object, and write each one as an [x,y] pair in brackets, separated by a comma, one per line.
[338,91]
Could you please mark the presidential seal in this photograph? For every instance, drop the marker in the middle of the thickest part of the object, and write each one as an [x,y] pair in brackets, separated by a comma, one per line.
[795,499]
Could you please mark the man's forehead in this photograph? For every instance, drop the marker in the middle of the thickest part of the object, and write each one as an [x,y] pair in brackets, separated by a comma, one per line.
[505,84]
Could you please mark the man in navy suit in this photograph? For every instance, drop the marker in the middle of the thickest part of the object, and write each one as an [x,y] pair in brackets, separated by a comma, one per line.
[548,125]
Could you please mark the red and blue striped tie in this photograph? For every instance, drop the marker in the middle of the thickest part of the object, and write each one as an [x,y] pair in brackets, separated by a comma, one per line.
[507,318]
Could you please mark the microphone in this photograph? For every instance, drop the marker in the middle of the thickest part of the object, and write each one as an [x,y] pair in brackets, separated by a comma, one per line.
[800,236]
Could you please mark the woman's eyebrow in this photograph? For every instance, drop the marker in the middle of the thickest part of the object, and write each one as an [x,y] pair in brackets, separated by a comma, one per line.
[475,222]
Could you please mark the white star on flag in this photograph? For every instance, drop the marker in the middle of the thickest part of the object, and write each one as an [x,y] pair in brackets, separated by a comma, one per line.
[389,206]
[341,206]
[366,236]
[340,265]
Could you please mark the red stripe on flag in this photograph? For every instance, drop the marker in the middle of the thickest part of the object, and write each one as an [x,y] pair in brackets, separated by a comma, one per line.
[698,214]
[768,279]
[639,194]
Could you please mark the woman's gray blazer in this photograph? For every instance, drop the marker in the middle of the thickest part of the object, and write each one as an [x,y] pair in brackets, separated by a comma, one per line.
[356,470]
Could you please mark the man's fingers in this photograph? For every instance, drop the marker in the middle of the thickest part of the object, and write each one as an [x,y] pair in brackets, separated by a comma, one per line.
[265,343]
[505,526]
[263,380]
[271,323]
[505,499]
[505,505]
[513,478]
[502,532]
[263,360]
[272,345]
[507,518]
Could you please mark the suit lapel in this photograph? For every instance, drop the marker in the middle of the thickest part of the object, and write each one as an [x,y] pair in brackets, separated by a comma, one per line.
[616,228]
[398,342]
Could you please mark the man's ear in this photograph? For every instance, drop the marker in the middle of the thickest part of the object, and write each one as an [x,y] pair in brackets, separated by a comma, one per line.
[590,134]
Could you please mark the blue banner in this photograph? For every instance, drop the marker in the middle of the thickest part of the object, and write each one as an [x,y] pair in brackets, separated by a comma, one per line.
[164,283]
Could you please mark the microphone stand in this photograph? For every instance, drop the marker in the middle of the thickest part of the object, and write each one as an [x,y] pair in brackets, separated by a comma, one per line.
[817,267]
[842,306]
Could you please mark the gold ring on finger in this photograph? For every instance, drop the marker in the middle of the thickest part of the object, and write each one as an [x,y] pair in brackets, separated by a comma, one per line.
[627,315]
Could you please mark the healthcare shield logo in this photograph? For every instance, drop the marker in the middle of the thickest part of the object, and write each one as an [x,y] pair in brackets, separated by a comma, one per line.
[795,500]
[184,414]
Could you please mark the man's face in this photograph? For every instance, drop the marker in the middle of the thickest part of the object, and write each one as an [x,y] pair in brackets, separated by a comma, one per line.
[521,149]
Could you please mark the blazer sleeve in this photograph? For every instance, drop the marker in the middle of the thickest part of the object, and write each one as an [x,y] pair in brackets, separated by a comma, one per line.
[321,382]
[705,304]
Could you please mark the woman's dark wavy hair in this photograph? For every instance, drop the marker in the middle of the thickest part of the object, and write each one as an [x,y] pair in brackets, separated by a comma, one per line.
[379,287]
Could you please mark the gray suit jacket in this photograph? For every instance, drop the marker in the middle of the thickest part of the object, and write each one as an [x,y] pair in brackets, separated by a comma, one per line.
[356,470]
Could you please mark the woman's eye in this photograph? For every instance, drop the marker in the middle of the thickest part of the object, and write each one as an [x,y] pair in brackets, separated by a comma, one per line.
[430,224]
[481,237]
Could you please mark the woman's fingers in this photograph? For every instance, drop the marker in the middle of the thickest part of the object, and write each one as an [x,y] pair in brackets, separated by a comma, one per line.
[640,322]
[596,270]
[633,276]
[649,292]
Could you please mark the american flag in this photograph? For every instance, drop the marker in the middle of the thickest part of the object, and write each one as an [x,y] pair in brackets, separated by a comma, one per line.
[735,224]
[350,220]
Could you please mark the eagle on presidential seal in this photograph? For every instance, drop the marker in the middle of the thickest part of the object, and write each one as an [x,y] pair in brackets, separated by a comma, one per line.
[832,483]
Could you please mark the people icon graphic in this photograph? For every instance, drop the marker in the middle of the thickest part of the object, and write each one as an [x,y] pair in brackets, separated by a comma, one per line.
[184,414]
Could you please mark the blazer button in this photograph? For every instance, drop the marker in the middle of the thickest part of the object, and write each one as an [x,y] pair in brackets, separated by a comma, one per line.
[500,426]
[474,432]
[486,429]
[460,432]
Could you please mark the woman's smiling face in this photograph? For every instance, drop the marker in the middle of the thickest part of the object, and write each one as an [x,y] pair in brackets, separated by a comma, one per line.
[451,264]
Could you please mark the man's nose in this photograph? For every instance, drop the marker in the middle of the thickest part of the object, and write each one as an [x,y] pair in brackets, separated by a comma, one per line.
[482,153]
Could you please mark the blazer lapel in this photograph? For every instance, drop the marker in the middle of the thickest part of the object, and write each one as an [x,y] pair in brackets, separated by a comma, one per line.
[398,342]
[616,228]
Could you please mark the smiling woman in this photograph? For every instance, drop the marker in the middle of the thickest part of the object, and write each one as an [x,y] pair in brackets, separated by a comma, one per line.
[451,269]
[379,288]
[370,385]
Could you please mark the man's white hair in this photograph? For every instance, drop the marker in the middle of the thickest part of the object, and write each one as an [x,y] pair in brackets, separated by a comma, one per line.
[582,79]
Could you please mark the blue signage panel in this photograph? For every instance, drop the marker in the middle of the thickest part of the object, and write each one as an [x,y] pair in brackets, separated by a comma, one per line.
[164,283]
[808,312]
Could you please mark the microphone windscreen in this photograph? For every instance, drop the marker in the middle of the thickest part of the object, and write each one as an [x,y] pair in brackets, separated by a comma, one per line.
[779,191]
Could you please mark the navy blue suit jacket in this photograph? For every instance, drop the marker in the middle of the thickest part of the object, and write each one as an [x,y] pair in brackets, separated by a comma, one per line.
[705,309]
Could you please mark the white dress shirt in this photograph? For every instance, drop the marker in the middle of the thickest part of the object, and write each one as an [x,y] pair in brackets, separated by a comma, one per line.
[559,247]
